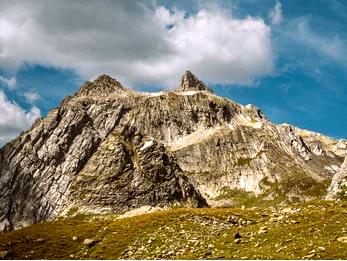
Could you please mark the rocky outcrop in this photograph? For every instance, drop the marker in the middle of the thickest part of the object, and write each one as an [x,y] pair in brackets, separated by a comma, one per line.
[110,149]
[269,160]
[128,171]
[338,187]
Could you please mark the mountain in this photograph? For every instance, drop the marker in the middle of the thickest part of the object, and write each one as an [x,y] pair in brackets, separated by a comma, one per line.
[109,149]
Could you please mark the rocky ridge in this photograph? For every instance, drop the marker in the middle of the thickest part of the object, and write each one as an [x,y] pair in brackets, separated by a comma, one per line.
[108,149]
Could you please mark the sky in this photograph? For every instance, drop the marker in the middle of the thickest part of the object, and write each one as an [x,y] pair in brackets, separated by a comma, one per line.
[288,57]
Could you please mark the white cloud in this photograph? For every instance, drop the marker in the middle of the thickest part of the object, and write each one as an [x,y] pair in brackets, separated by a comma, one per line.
[275,14]
[133,42]
[327,46]
[31,96]
[167,17]
[14,119]
[218,47]
[8,82]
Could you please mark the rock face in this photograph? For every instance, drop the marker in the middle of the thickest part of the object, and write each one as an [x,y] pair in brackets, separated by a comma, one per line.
[108,149]
[338,187]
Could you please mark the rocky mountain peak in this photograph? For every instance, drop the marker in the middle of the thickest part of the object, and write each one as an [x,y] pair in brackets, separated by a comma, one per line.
[101,86]
[106,79]
[189,82]
[108,149]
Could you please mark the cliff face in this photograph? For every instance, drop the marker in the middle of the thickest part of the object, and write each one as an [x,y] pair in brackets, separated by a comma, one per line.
[338,188]
[110,149]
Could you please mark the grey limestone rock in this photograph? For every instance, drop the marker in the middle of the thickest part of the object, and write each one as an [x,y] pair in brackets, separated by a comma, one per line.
[338,187]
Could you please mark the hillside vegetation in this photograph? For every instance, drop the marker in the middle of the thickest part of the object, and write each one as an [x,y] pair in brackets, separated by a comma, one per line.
[314,230]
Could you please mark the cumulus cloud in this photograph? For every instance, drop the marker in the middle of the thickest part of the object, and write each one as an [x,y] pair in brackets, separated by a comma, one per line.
[14,119]
[31,96]
[136,42]
[216,46]
[8,82]
[275,14]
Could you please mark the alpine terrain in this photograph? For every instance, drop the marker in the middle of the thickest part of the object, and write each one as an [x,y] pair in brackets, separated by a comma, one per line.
[108,150]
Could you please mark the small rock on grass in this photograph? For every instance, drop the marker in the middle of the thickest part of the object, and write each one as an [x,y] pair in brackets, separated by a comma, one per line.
[321,249]
[309,256]
[263,230]
[237,240]
[74,238]
[342,239]
[89,242]
[40,240]
[5,255]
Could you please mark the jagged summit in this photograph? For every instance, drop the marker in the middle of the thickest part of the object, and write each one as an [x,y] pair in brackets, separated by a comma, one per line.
[106,79]
[101,86]
[189,82]
[105,85]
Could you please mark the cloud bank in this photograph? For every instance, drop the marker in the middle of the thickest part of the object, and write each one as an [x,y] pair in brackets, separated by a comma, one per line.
[137,42]
[13,119]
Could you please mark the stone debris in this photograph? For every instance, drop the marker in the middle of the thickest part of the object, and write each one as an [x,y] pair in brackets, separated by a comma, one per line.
[321,249]
[263,230]
[89,242]
[342,239]
[40,240]
[237,241]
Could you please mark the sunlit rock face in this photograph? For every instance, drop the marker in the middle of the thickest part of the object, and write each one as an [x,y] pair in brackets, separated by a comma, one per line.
[108,149]
[338,187]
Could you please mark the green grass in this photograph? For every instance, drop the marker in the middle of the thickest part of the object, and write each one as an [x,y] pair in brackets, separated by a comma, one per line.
[172,234]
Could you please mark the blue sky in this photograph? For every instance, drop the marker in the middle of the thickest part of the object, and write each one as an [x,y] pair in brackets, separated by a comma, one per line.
[287,57]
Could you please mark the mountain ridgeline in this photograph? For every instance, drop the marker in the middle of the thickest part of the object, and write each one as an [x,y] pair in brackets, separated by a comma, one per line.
[109,149]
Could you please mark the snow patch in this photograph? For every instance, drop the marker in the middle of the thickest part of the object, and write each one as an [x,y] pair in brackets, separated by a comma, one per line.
[188,93]
[147,144]
[155,94]
[341,144]
[258,125]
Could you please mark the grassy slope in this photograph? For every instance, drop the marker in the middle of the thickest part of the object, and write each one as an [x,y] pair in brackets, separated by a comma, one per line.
[189,234]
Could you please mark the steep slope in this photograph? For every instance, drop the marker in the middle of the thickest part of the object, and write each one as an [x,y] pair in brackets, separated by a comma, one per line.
[273,162]
[338,187]
[48,170]
[110,149]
